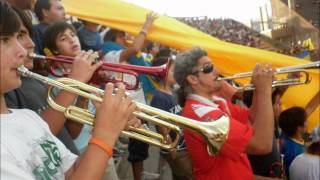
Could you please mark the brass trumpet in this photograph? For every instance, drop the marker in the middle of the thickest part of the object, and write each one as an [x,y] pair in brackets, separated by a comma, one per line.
[303,79]
[133,70]
[215,133]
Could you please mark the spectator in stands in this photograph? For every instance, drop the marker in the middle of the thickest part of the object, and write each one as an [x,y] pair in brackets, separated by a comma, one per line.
[48,12]
[306,166]
[225,29]
[178,158]
[115,51]
[89,36]
[268,165]
[293,123]
[150,51]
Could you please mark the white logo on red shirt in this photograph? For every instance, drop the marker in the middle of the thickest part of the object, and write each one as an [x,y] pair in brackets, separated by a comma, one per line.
[201,110]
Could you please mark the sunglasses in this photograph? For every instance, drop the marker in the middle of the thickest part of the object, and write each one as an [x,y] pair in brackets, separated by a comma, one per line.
[207,68]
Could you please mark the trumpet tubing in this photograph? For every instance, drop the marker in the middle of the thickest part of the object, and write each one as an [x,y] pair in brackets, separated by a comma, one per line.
[215,133]
[304,79]
[160,71]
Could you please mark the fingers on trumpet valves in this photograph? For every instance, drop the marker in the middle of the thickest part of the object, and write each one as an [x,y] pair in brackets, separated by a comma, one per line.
[109,90]
[133,122]
[263,68]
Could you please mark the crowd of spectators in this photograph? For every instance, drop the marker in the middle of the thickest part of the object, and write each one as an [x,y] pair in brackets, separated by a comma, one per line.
[230,30]
[225,29]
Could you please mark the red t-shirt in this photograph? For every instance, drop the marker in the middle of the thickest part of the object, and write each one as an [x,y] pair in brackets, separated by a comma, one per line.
[231,162]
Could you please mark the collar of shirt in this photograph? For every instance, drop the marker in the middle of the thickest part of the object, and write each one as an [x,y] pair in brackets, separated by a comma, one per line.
[212,103]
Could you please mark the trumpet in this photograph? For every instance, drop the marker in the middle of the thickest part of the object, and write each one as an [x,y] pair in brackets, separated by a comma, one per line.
[303,79]
[133,70]
[215,133]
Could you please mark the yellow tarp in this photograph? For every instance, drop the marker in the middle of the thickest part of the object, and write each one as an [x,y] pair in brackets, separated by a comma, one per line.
[229,58]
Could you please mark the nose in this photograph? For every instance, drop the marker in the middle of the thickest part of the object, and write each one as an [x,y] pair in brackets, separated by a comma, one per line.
[216,72]
[30,43]
[20,53]
[71,39]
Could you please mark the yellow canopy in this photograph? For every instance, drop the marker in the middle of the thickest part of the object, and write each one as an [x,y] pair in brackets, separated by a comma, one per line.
[229,58]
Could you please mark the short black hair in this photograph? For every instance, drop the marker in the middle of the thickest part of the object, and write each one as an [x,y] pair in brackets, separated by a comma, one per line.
[25,19]
[41,5]
[111,35]
[10,22]
[52,32]
[161,61]
[164,52]
[291,119]
[314,148]
[162,57]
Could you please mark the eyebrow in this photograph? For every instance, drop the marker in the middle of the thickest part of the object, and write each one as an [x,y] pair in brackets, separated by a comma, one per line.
[23,32]
[61,35]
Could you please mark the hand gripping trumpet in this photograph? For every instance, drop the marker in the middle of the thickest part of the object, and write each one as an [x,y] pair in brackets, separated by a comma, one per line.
[303,79]
[215,133]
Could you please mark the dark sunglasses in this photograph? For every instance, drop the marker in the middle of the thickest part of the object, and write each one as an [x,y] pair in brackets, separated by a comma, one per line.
[207,68]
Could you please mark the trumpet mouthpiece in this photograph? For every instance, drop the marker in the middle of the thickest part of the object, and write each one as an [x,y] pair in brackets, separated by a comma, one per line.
[23,71]
[36,56]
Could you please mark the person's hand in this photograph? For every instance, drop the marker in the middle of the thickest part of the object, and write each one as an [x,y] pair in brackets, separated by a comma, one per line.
[133,122]
[84,65]
[262,76]
[151,16]
[114,113]
[173,153]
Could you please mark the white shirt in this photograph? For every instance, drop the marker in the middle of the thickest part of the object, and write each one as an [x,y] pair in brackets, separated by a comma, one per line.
[137,95]
[305,167]
[29,150]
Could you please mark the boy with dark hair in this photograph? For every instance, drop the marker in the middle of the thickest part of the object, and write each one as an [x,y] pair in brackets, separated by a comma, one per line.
[31,94]
[293,123]
[28,148]
[178,158]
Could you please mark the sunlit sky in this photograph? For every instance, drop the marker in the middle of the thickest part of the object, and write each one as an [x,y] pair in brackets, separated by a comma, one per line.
[241,10]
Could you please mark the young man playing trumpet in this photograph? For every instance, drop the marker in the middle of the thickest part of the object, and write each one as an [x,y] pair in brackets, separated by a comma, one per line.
[61,39]
[28,148]
[31,94]
[197,77]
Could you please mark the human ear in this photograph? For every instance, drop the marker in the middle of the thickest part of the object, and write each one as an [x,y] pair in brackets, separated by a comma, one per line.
[192,79]
[45,13]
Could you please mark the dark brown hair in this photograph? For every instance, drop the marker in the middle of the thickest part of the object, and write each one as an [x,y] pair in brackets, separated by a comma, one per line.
[53,31]
[9,20]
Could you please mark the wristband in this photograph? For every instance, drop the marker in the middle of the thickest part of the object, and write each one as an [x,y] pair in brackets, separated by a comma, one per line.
[143,32]
[105,147]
